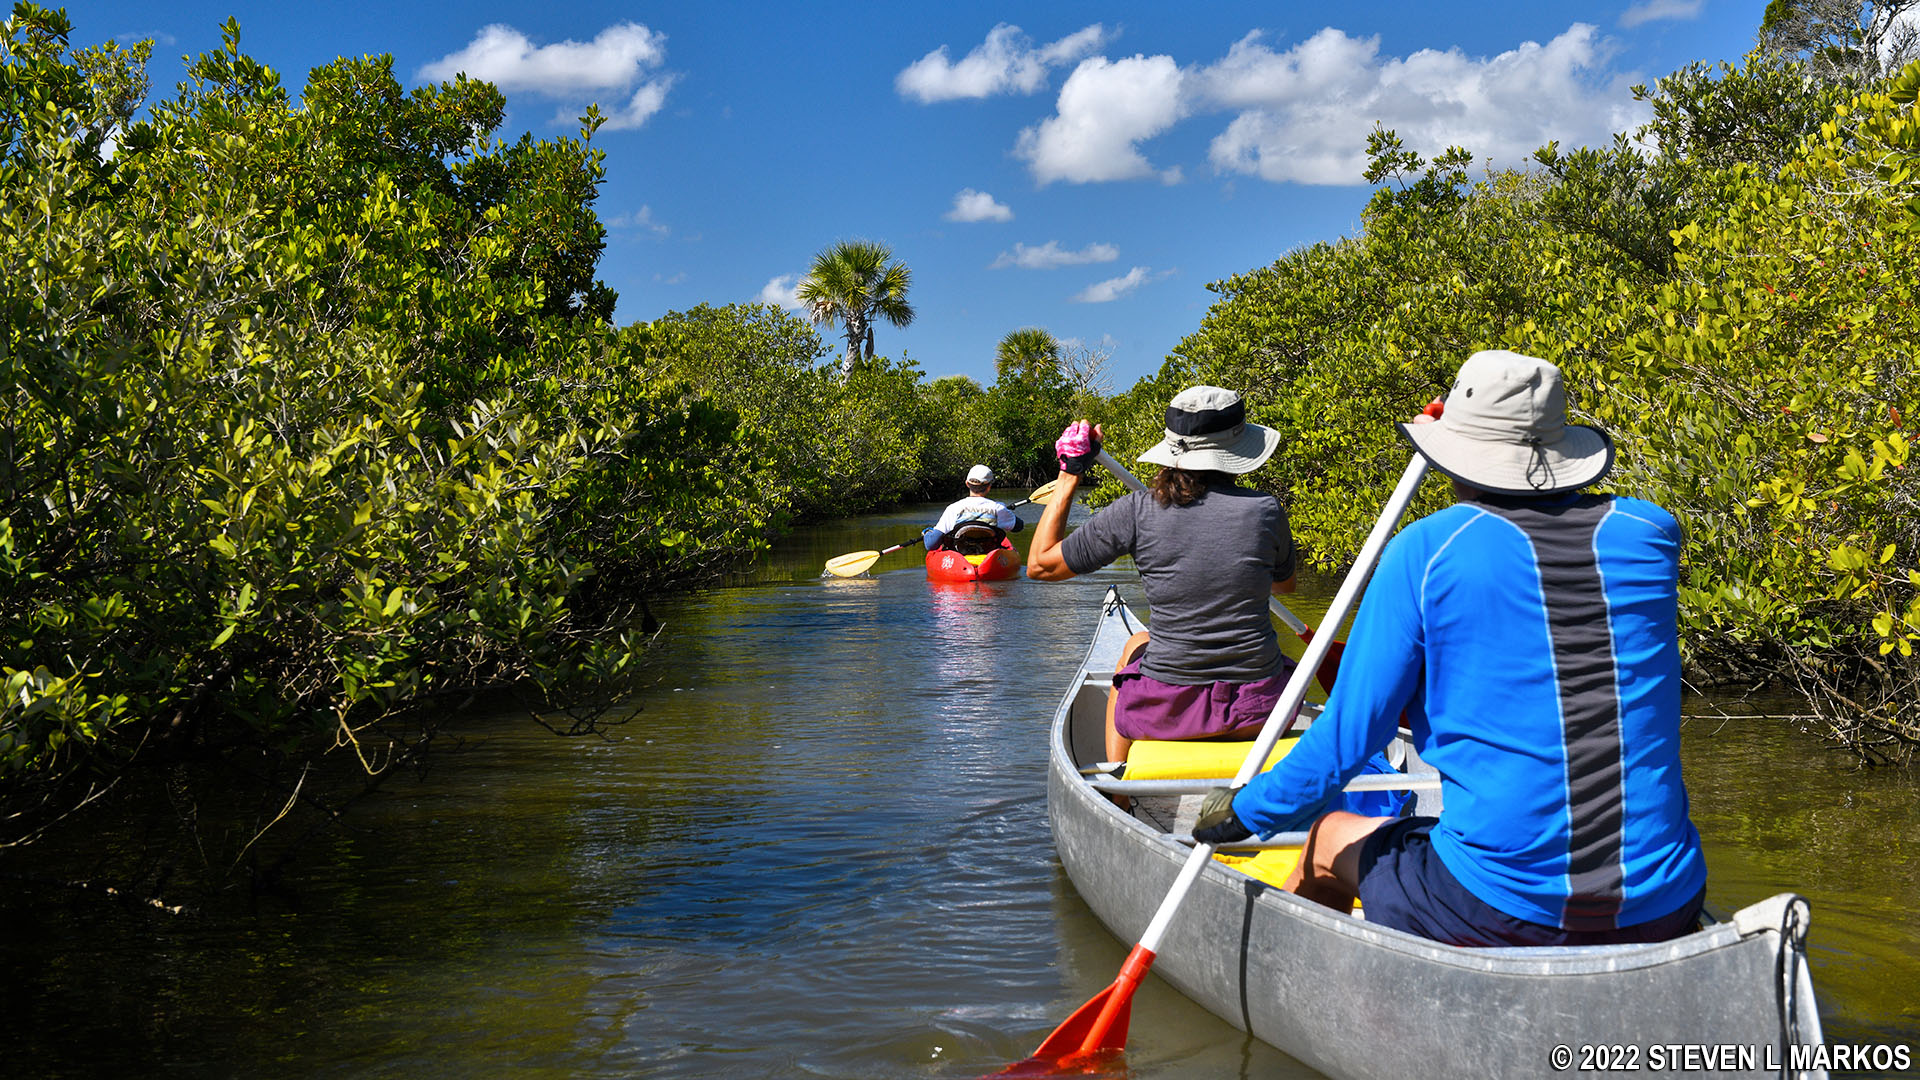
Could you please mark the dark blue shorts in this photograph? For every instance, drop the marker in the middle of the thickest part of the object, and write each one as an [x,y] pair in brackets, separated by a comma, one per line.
[1404,885]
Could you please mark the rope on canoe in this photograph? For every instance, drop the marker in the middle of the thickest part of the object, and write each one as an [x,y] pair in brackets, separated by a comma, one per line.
[1113,603]
[1793,953]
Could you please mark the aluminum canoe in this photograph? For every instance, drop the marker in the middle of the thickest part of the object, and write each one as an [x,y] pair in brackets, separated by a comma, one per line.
[1354,1000]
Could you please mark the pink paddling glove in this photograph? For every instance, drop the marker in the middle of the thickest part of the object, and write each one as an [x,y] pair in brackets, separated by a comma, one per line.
[1076,447]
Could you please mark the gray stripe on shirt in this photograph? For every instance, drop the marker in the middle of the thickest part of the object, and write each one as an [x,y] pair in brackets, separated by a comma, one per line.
[1581,632]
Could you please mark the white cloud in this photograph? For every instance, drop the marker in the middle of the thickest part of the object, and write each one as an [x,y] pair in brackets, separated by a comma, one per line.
[1082,42]
[1306,112]
[678,277]
[649,99]
[1107,341]
[971,205]
[160,40]
[1101,292]
[617,60]
[779,292]
[1651,10]
[1902,38]
[1303,114]
[1051,256]
[1004,63]
[1105,107]
[640,219]
[505,57]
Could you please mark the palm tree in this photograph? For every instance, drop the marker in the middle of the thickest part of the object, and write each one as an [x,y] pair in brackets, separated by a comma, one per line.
[1028,352]
[853,283]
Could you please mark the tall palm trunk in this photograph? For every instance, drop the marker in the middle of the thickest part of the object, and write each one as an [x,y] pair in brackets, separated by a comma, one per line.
[858,330]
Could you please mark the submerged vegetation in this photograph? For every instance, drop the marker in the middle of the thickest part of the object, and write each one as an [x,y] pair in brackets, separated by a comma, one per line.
[319,425]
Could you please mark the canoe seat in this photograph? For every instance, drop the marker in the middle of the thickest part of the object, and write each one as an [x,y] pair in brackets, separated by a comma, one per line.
[1195,759]
[975,538]
[1271,867]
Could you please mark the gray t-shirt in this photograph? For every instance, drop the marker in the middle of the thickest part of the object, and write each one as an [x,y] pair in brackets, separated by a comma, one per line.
[1208,568]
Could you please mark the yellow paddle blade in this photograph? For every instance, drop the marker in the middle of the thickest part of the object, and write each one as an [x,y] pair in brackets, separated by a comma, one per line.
[1044,493]
[853,564]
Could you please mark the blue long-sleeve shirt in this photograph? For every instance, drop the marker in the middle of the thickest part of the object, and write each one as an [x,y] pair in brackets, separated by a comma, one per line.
[1533,647]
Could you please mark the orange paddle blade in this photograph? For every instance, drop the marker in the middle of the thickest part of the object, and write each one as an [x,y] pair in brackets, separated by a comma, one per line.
[1070,1037]
[1095,1033]
[1099,1063]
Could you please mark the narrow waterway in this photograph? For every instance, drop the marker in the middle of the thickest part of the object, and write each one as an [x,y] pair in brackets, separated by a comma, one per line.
[818,848]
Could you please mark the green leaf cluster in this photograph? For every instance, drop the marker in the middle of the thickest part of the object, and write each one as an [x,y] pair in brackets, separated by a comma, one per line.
[316,424]
[1730,292]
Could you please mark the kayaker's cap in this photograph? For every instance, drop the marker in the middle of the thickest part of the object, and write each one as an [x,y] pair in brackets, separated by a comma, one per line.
[980,474]
[1505,430]
[1207,431]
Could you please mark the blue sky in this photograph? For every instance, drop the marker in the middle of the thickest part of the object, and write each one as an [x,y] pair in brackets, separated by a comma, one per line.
[1086,168]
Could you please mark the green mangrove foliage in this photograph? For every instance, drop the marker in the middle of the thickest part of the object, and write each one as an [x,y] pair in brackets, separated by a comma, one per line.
[1734,306]
[813,439]
[315,425]
[1765,386]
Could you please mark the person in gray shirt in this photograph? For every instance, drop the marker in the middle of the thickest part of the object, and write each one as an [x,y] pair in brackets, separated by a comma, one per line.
[1209,554]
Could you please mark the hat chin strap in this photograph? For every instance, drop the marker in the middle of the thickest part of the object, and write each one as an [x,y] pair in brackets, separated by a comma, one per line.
[1540,464]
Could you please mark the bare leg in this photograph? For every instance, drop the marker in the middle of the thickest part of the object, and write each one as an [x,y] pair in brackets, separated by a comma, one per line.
[1329,869]
[1118,744]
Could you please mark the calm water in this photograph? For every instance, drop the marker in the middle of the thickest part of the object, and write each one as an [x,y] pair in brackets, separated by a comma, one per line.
[819,849]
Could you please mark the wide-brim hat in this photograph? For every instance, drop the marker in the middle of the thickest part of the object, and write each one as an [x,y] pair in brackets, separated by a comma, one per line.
[1207,430]
[1504,430]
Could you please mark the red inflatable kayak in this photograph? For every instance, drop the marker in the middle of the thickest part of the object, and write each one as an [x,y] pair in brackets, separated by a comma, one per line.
[1000,564]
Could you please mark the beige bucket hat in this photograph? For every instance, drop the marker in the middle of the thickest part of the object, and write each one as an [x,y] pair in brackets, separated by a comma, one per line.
[1505,430]
[1207,430]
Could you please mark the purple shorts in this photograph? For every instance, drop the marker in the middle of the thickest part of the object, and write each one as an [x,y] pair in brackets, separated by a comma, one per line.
[1404,885]
[1146,708]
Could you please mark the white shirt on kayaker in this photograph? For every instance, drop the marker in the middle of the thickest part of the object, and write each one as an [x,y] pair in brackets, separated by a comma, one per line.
[977,508]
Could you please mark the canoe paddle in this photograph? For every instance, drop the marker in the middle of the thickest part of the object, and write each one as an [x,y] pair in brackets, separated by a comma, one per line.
[853,564]
[1100,1026]
[1329,667]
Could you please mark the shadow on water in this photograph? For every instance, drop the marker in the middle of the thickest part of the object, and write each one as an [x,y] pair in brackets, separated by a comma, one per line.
[819,849]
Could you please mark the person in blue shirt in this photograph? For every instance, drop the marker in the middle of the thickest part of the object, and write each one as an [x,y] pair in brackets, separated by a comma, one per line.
[1529,634]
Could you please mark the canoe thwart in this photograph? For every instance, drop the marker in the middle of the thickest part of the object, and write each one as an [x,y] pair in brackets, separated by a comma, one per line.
[1367,782]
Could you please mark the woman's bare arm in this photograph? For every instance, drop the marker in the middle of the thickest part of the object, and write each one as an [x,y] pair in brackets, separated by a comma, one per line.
[1044,562]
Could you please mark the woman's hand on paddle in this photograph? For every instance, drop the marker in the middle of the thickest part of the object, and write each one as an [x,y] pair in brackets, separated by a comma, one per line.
[1217,823]
[1077,447]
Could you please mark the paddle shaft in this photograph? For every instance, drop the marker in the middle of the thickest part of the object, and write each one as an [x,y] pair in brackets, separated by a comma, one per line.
[1294,622]
[1284,711]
